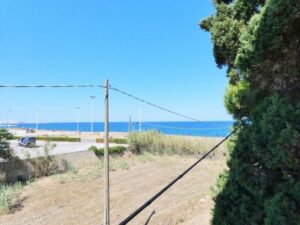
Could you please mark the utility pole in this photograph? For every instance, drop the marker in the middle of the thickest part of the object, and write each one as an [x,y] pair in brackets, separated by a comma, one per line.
[106,158]
[92,113]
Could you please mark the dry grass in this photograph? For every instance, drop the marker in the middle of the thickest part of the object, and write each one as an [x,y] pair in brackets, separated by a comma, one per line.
[46,164]
[8,196]
[135,179]
[157,143]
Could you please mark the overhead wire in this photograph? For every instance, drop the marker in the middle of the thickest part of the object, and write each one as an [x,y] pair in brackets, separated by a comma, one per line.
[52,86]
[147,203]
[153,105]
[181,128]
[102,86]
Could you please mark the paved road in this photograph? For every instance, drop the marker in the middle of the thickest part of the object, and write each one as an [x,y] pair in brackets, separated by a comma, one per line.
[60,148]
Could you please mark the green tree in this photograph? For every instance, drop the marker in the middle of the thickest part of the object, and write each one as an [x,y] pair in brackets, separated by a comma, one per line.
[5,150]
[258,42]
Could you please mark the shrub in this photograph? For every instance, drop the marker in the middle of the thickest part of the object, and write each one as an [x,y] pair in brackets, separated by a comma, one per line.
[119,141]
[116,150]
[49,138]
[8,196]
[113,140]
[99,140]
[5,150]
[46,164]
[66,139]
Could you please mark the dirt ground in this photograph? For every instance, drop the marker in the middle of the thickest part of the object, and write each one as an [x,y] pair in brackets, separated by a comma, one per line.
[76,198]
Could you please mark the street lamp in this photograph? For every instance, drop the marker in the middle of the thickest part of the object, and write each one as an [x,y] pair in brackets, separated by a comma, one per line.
[92,112]
[9,117]
[77,117]
[36,122]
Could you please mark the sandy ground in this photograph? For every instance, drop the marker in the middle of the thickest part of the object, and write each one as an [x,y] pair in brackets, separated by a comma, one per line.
[77,198]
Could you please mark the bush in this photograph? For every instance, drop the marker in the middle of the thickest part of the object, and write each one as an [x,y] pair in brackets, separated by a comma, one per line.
[46,164]
[119,141]
[113,140]
[99,140]
[116,150]
[5,150]
[49,138]
[66,139]
[8,196]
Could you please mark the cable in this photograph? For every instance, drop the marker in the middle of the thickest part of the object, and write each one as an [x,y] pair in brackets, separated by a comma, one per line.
[51,86]
[154,105]
[182,128]
[101,86]
[146,204]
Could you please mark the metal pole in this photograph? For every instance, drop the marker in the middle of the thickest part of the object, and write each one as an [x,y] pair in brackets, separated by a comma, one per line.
[106,158]
[36,122]
[8,123]
[92,113]
[140,120]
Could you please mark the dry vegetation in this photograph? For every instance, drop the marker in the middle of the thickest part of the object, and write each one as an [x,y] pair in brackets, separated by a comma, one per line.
[75,197]
[157,143]
[8,197]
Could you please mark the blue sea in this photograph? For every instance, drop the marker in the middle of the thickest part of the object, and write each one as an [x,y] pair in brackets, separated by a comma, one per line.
[204,129]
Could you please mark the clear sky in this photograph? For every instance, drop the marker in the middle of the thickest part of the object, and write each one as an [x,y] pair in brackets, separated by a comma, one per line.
[152,48]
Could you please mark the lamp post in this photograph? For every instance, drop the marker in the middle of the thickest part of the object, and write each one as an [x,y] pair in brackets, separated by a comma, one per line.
[92,112]
[36,122]
[140,120]
[77,119]
[9,117]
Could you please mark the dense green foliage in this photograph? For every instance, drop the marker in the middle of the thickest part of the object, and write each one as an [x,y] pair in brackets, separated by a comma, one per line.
[5,151]
[258,42]
[116,150]
[264,168]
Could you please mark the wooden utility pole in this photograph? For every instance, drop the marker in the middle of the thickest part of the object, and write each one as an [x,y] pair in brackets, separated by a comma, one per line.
[106,158]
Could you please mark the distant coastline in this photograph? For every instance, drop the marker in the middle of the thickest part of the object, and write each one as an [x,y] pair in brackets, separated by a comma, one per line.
[202,129]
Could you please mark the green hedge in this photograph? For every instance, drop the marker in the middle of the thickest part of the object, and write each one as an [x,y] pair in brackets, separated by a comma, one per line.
[113,140]
[116,150]
[46,138]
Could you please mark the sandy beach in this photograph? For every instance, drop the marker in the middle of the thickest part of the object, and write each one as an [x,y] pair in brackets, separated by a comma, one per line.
[20,132]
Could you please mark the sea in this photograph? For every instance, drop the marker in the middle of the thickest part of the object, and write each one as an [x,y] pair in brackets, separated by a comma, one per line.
[202,129]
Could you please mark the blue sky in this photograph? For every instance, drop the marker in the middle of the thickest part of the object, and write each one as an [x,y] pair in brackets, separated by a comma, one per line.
[153,49]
